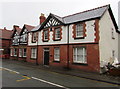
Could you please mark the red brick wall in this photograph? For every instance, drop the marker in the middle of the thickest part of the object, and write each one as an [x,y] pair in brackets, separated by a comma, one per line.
[28,59]
[63,58]
[5,44]
[15,57]
[92,58]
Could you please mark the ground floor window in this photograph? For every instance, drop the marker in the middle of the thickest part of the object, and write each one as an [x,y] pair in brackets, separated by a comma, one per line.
[20,52]
[15,51]
[79,55]
[56,54]
[11,52]
[24,52]
[33,53]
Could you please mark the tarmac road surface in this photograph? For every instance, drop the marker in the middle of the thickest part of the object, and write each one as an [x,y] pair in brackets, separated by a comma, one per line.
[20,75]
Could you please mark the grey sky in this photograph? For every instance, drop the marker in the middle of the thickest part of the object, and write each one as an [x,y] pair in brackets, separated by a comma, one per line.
[20,12]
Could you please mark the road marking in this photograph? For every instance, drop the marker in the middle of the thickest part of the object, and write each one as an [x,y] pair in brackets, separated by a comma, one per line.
[26,78]
[11,70]
[49,83]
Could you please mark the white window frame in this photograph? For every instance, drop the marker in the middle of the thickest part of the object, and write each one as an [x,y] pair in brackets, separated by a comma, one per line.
[11,52]
[15,51]
[46,36]
[23,38]
[34,53]
[56,54]
[24,53]
[20,52]
[76,55]
[79,30]
[34,37]
[57,35]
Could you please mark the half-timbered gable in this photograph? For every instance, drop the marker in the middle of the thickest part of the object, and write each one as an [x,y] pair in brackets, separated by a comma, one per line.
[16,35]
[51,21]
[24,33]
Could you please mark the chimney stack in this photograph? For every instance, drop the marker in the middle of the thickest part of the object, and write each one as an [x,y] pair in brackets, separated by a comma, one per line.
[42,18]
[5,28]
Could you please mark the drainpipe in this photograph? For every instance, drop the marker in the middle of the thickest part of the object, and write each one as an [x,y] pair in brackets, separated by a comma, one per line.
[37,51]
[68,48]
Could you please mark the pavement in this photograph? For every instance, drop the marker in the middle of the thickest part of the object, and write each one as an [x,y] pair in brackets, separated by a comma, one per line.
[72,72]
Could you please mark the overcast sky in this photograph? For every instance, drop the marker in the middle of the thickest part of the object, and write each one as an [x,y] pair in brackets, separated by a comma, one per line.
[20,12]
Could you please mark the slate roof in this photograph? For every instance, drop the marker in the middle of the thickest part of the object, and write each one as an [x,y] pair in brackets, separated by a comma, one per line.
[82,16]
[29,27]
[5,34]
[35,28]
[86,15]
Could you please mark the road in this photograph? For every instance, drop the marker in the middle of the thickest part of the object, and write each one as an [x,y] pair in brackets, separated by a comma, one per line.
[21,75]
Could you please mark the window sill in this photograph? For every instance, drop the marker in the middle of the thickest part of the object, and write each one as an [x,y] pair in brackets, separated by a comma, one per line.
[56,61]
[113,38]
[33,58]
[22,57]
[84,64]
[57,39]
[33,41]
[79,37]
[45,40]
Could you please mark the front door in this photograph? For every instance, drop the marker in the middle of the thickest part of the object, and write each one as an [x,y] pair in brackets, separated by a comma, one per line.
[46,56]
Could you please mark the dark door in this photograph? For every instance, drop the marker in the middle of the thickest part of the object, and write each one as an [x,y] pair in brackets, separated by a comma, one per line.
[46,57]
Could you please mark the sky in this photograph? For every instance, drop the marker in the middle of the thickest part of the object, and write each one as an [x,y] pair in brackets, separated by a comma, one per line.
[20,12]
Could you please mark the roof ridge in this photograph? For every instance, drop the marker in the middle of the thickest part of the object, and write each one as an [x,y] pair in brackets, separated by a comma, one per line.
[86,10]
[29,25]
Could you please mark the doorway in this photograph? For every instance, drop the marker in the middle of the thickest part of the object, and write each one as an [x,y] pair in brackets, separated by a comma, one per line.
[46,56]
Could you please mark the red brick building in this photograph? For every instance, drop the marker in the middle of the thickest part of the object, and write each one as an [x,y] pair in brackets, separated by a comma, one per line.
[77,41]
[14,47]
[5,41]
[23,40]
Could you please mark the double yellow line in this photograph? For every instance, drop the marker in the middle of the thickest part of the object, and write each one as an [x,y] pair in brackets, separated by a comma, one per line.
[25,78]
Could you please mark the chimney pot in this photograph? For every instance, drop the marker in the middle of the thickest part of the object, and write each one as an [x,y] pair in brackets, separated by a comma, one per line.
[5,28]
[42,18]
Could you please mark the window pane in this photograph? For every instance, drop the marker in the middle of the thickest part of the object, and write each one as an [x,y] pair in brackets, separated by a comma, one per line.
[20,52]
[24,52]
[56,54]
[46,35]
[79,55]
[57,33]
[79,30]
[33,53]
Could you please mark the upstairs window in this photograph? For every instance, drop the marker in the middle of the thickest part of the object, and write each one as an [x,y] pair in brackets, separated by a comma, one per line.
[16,39]
[57,33]
[79,55]
[34,37]
[45,35]
[79,31]
[56,54]
[23,38]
